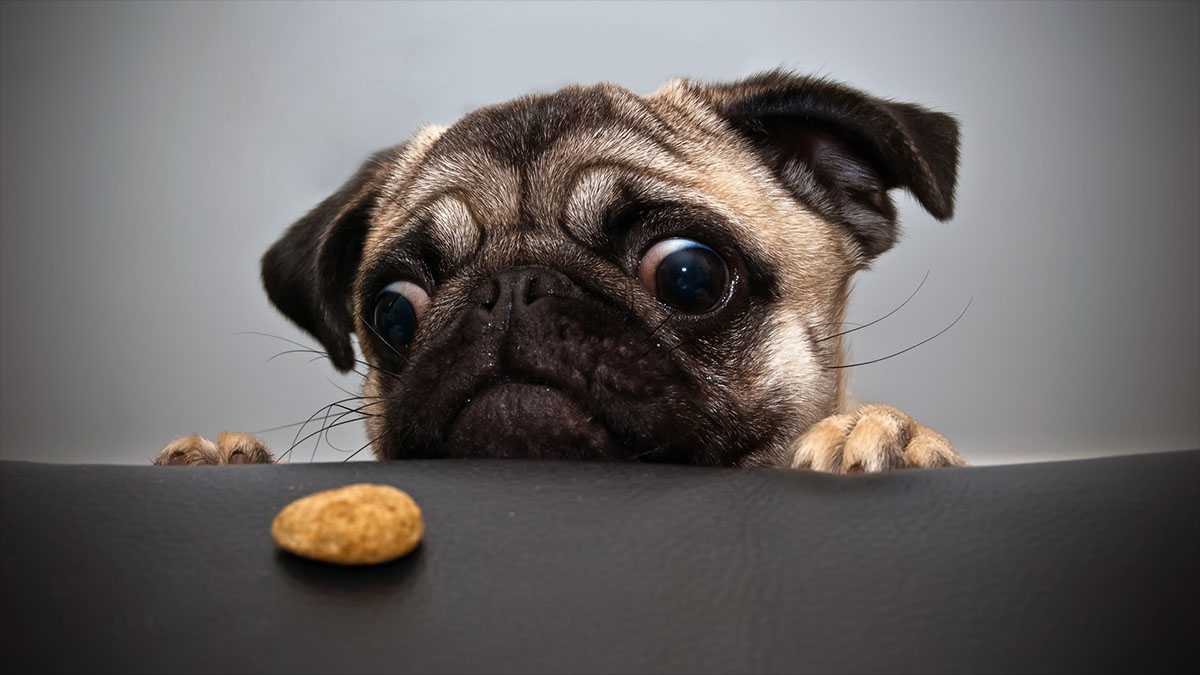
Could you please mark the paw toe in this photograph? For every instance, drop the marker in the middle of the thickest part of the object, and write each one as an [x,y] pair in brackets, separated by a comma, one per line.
[820,448]
[189,451]
[871,439]
[235,448]
[878,441]
[929,449]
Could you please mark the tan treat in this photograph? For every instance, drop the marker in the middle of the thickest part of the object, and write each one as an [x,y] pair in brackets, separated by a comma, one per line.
[359,524]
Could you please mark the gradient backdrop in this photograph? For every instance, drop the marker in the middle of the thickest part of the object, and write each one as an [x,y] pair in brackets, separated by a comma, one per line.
[151,152]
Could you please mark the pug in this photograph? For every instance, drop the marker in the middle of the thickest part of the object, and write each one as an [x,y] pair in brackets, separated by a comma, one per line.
[593,274]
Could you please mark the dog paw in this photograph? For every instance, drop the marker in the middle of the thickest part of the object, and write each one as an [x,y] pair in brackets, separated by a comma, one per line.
[230,448]
[871,439]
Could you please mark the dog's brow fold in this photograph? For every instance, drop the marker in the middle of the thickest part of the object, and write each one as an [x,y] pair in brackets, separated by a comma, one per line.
[585,182]
[604,200]
[452,229]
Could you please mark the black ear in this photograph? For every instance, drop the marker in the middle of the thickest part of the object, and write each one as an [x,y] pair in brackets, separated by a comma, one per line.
[839,150]
[309,272]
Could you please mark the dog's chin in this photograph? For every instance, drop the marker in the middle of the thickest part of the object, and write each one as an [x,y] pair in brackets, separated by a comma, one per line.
[529,421]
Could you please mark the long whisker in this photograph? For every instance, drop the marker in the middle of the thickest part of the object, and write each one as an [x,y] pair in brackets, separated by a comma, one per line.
[884,358]
[279,428]
[277,337]
[364,415]
[338,448]
[320,355]
[295,440]
[347,391]
[670,315]
[324,429]
[353,397]
[324,355]
[385,342]
[323,408]
[872,323]
[650,346]
[312,350]
[324,435]
[364,447]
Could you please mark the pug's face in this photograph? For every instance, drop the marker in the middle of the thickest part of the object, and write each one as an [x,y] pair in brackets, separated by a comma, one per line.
[593,274]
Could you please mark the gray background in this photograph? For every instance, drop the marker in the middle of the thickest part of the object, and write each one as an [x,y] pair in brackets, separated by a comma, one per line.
[151,152]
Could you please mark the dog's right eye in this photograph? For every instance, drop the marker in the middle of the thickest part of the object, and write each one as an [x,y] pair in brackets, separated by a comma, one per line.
[398,308]
[685,274]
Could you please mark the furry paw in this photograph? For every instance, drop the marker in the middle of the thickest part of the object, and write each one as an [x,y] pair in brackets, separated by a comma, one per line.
[871,439]
[230,448]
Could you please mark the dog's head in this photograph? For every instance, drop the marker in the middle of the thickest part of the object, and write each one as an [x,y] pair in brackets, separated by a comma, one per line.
[596,274]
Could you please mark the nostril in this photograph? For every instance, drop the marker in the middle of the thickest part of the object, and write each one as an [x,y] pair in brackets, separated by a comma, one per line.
[531,289]
[514,289]
[491,294]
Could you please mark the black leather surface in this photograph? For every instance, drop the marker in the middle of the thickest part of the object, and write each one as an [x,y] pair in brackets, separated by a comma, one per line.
[578,567]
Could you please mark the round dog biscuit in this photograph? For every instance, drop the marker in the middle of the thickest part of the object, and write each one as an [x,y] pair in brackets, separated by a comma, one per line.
[360,524]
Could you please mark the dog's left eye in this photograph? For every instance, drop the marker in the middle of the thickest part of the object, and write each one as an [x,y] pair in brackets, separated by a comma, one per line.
[684,274]
[398,308]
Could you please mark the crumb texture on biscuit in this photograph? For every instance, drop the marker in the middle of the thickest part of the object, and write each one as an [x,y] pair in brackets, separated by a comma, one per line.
[361,524]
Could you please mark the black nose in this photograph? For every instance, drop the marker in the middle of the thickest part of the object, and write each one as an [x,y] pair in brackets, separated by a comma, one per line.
[513,290]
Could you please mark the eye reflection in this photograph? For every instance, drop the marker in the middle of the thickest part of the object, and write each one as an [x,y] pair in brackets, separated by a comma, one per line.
[684,274]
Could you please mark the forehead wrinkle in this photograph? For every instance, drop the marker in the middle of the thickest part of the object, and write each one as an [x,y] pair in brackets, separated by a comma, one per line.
[486,189]
[597,186]
[449,220]
[590,197]
[452,228]
[580,150]
[394,217]
[492,186]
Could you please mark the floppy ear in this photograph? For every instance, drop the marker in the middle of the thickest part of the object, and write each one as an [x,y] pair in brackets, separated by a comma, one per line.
[309,272]
[839,150]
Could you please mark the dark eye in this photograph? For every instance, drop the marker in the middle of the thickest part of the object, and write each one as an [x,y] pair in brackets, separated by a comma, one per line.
[397,310]
[684,274]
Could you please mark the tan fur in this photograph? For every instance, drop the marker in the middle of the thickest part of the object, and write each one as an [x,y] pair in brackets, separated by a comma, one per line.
[189,450]
[454,228]
[237,448]
[928,448]
[230,448]
[874,438]
[672,146]
[820,448]
[712,167]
